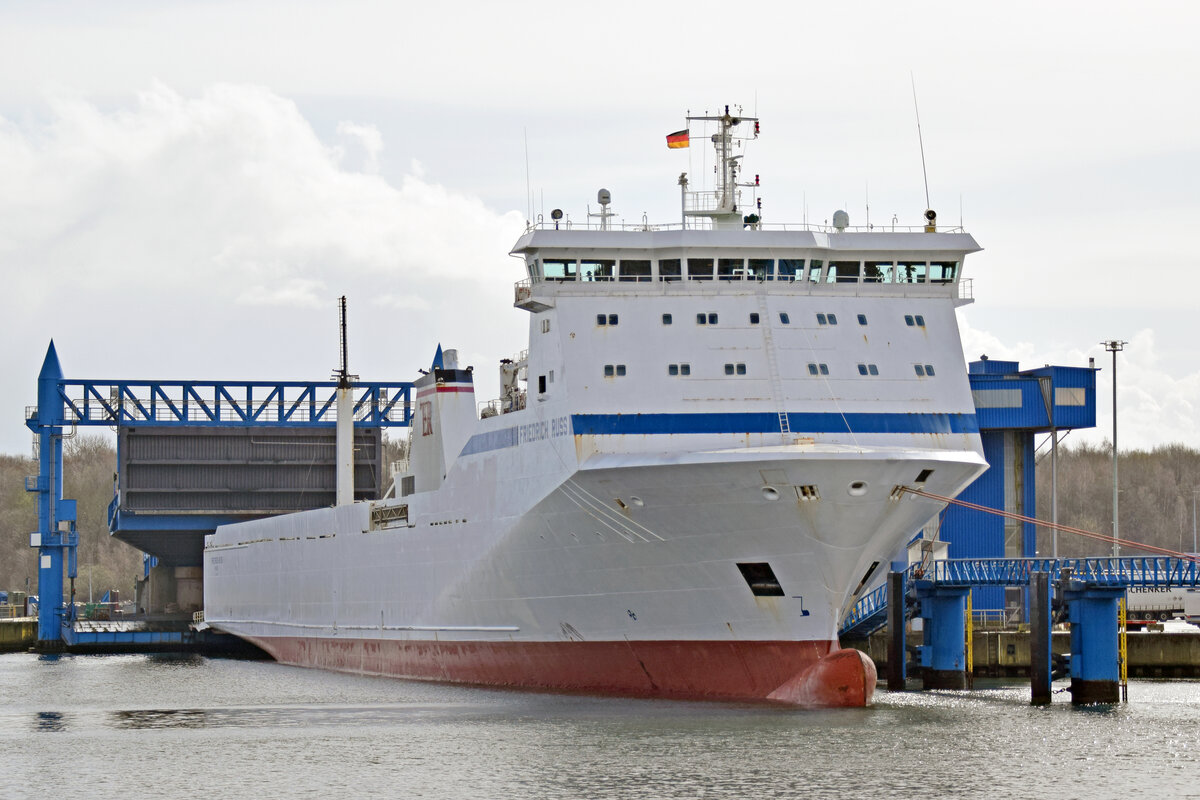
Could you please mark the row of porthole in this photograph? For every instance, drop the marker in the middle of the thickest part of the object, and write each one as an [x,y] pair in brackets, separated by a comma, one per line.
[619,371]
[711,318]
[854,489]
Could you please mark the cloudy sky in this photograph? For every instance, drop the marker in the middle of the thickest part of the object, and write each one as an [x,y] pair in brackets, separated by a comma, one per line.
[185,188]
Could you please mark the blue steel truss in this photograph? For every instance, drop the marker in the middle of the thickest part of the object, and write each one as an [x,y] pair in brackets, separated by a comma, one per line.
[228,403]
[870,612]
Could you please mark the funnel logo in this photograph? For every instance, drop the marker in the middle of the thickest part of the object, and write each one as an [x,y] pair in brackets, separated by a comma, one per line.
[426,418]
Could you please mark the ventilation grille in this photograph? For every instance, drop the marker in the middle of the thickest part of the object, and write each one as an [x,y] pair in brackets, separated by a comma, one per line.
[808,492]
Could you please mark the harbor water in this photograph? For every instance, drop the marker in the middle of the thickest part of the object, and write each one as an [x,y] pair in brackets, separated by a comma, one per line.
[186,726]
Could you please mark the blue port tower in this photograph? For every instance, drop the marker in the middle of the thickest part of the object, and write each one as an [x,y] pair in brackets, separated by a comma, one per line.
[1013,407]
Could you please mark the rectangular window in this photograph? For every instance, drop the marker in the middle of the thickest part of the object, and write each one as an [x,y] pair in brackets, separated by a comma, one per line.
[942,271]
[669,269]
[545,326]
[753,317]
[910,271]
[929,369]
[635,270]
[821,320]
[558,270]
[700,269]
[824,369]
[741,369]
[862,369]
[814,270]
[871,368]
[672,369]
[762,268]
[685,369]
[920,370]
[791,269]
[877,272]
[712,319]
[729,369]
[812,369]
[601,270]
[908,320]
[612,319]
[996,398]
[832,318]
[666,318]
[1069,396]
[541,384]
[701,319]
[609,370]
[620,370]
[601,319]
[920,321]
[784,319]
[843,272]
[731,269]
[862,319]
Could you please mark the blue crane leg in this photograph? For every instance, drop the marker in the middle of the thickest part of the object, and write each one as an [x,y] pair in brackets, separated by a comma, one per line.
[1095,671]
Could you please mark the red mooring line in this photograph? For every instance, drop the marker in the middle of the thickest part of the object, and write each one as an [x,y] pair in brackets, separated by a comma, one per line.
[1053,526]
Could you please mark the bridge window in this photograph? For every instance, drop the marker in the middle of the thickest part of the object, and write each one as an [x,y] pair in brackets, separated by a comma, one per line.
[731,269]
[911,271]
[814,270]
[700,269]
[878,272]
[791,268]
[635,270]
[603,270]
[670,269]
[843,272]
[558,270]
[762,268]
[943,271]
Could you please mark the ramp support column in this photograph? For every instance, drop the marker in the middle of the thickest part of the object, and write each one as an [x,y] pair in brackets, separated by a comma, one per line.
[1039,639]
[1095,668]
[944,654]
[897,654]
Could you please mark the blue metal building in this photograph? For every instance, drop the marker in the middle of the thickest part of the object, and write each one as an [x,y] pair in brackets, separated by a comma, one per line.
[1012,406]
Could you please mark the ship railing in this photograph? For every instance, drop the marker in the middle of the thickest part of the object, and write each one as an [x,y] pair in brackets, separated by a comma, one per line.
[704,224]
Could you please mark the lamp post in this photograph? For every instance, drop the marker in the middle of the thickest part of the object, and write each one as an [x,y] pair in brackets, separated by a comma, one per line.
[1115,346]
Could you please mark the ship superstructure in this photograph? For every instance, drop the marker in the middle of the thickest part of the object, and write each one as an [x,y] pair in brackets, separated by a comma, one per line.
[691,472]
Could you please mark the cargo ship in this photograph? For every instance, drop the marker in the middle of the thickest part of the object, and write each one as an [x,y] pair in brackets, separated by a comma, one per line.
[692,472]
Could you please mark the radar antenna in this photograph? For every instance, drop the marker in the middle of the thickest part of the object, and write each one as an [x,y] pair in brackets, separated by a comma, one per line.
[721,205]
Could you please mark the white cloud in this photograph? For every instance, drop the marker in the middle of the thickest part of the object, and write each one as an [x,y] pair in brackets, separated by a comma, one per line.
[221,227]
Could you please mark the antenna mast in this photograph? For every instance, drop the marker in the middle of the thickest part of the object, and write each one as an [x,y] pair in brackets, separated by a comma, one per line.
[920,138]
[342,375]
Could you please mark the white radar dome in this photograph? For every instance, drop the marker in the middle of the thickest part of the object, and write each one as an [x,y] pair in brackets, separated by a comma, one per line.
[841,220]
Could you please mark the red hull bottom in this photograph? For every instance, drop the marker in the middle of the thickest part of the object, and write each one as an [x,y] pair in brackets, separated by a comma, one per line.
[799,673]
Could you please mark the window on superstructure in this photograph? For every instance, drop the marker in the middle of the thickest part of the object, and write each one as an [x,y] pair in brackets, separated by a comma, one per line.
[920,370]
[929,369]
[557,270]
[942,271]
[666,319]
[611,370]
[877,272]
[541,384]
[868,369]
[635,270]
[741,369]
[620,370]
[753,317]
[601,270]
[784,319]
[606,319]
[843,272]
[735,369]
[702,319]
[862,319]
[685,369]
[670,269]
[909,321]
[910,271]
[821,320]
[815,267]
[672,369]
[762,269]
[818,369]
[731,269]
[700,269]
[545,326]
[791,269]
[827,319]
[920,320]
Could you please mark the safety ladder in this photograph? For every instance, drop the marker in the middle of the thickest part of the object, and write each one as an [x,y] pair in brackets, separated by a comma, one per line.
[773,365]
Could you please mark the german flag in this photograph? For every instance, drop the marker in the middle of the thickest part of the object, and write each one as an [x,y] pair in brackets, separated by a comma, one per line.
[677,139]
